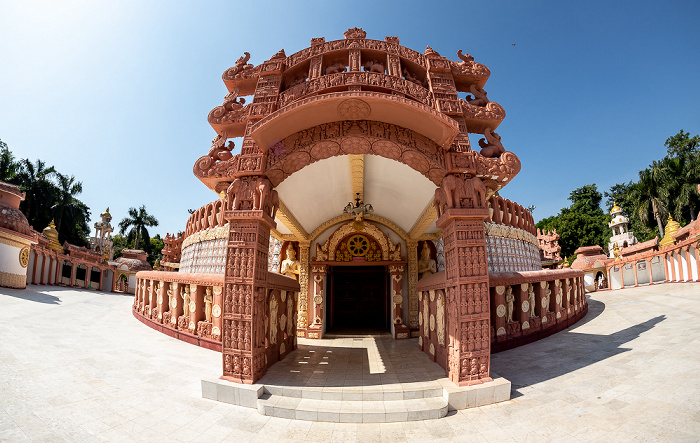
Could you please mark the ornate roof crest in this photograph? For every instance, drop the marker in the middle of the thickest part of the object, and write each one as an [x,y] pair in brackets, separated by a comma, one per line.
[430,51]
[280,54]
[354,33]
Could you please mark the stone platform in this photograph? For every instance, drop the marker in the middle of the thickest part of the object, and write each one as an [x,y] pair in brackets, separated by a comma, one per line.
[367,379]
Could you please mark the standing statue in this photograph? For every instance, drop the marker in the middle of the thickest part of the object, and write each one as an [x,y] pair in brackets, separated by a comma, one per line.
[531,299]
[185,301]
[426,265]
[510,298]
[208,302]
[290,265]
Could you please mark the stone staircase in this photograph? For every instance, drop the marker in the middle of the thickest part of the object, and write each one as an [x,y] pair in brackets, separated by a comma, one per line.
[353,405]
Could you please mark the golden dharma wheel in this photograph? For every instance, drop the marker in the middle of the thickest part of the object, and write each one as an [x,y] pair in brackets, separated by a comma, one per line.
[358,245]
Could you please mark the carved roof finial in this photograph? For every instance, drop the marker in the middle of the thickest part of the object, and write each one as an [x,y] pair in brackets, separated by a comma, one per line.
[318,41]
[280,54]
[394,40]
[354,33]
[430,51]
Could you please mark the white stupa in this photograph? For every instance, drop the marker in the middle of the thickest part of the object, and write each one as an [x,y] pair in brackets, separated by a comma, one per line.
[621,235]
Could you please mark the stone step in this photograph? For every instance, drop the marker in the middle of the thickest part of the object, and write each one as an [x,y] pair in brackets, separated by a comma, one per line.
[366,411]
[358,393]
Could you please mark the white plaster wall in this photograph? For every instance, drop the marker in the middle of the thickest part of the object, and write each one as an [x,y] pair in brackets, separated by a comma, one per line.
[693,263]
[9,260]
[615,279]
[658,272]
[15,255]
[39,264]
[132,283]
[628,275]
[589,281]
[107,278]
[684,264]
[642,274]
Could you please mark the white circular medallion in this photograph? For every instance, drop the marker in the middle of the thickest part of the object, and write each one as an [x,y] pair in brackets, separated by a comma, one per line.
[544,303]
[501,331]
[526,306]
[526,325]
[216,311]
[193,306]
[501,310]
[432,322]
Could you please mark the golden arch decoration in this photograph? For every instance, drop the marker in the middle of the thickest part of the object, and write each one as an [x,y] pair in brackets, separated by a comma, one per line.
[389,251]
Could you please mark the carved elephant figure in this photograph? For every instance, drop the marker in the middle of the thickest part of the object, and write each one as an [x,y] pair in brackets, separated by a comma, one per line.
[274,203]
[335,68]
[233,194]
[440,201]
[455,189]
[373,66]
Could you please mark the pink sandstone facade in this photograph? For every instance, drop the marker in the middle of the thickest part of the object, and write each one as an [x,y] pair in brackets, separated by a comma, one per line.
[450,261]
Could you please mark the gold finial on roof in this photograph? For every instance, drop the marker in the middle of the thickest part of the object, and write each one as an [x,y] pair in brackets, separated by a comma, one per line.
[52,234]
[672,227]
[615,208]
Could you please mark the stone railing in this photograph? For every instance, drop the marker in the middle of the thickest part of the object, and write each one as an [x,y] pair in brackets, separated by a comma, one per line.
[524,307]
[505,212]
[206,217]
[195,308]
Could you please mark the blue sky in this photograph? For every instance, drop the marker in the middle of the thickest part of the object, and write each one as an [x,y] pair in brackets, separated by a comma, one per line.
[117,93]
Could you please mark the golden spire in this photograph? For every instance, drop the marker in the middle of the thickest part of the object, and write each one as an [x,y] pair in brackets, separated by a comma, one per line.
[672,227]
[52,234]
[615,208]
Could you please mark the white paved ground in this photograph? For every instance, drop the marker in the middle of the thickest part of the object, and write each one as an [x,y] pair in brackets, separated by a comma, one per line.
[77,366]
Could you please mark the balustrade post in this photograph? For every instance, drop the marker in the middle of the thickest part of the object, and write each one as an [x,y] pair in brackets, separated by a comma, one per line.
[556,299]
[162,300]
[522,307]
[688,264]
[216,312]
[196,307]
[400,329]
[318,274]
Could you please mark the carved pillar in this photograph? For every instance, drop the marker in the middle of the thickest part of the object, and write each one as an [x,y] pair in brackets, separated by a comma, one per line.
[697,258]
[498,294]
[303,305]
[216,312]
[162,300]
[635,274]
[196,307]
[393,66]
[651,275]
[466,276]
[34,266]
[412,256]
[318,273]
[400,329]
[101,275]
[672,265]
[522,307]
[688,264]
[316,67]
[175,304]
[72,274]
[557,298]
[245,290]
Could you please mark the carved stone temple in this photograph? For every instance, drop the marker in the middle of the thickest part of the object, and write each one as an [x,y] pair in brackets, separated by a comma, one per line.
[348,197]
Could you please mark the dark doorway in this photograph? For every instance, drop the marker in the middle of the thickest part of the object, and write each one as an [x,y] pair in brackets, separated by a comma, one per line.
[358,299]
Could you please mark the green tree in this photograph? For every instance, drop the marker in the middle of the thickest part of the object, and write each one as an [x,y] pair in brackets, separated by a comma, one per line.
[34,180]
[66,203]
[8,165]
[138,221]
[647,196]
[583,223]
[681,169]
[119,242]
[156,245]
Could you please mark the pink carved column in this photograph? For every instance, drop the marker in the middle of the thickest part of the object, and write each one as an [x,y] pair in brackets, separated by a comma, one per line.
[687,262]
[244,296]
[467,281]
[651,276]
[216,312]
[72,273]
[635,274]
[101,274]
[664,257]
[542,306]
[697,259]
[556,299]
[318,275]
[566,289]
[400,329]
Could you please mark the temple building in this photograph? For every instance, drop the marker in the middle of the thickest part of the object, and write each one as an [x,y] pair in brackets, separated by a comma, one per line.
[354,203]
[622,237]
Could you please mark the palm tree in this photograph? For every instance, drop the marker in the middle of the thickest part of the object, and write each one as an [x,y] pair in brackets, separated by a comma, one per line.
[138,220]
[68,188]
[647,195]
[8,165]
[33,178]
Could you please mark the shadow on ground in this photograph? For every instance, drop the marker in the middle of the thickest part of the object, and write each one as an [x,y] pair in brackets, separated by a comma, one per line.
[565,352]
